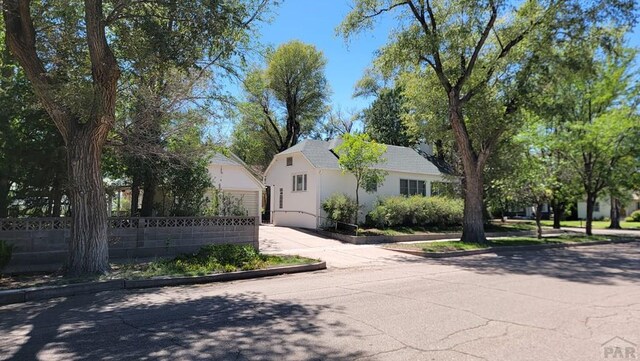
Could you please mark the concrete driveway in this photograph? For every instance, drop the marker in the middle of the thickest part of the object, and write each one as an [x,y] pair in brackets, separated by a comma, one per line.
[572,304]
[283,240]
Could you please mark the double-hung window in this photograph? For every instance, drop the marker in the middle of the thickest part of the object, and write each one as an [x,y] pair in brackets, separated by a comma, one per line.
[299,183]
[410,187]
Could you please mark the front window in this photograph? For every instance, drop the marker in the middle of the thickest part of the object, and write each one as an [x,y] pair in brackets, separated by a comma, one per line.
[410,187]
[299,182]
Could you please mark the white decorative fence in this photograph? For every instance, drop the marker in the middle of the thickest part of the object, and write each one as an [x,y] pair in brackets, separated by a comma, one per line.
[42,243]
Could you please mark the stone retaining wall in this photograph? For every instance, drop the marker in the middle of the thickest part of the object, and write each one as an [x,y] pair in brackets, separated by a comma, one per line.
[41,243]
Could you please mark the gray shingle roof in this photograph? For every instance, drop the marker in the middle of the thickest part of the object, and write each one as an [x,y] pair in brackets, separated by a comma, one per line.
[398,159]
[219,158]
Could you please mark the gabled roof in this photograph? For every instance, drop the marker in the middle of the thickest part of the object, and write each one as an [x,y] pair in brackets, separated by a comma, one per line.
[398,159]
[233,160]
[221,159]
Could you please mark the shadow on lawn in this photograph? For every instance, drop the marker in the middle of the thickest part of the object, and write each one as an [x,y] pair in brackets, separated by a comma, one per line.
[135,325]
[602,264]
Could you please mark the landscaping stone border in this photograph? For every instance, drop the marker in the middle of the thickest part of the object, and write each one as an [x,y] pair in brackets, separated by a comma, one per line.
[425,237]
[534,247]
[21,295]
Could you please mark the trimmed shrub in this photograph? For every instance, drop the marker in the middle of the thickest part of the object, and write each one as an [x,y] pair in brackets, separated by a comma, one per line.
[6,250]
[390,212]
[417,211]
[634,217]
[232,254]
[340,207]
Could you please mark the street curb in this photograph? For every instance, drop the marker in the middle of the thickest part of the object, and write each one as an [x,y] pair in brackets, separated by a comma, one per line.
[506,249]
[22,295]
[223,277]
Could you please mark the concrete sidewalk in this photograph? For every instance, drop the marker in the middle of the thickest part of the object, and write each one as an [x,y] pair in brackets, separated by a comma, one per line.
[607,232]
[283,240]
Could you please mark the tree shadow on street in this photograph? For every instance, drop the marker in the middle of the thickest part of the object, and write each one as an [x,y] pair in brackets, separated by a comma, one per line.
[136,325]
[603,264]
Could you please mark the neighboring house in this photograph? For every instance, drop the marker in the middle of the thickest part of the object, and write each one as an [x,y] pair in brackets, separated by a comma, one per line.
[304,175]
[602,208]
[232,176]
[228,174]
[528,212]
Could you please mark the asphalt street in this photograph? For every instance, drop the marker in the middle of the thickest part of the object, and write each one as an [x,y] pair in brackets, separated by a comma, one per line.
[571,304]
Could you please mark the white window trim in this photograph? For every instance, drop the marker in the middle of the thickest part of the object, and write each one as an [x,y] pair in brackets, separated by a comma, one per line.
[305,182]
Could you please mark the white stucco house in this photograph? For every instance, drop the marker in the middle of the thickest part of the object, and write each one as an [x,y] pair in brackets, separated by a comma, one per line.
[231,175]
[301,177]
[602,208]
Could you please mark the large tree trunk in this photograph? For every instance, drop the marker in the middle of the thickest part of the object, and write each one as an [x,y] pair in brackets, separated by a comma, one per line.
[56,195]
[615,214]
[135,196]
[57,205]
[84,139]
[88,248]
[5,186]
[591,201]
[148,196]
[473,222]
[558,213]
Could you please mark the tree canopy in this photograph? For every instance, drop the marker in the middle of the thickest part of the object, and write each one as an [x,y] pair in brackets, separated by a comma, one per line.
[358,155]
[383,119]
[285,100]
[74,53]
[480,56]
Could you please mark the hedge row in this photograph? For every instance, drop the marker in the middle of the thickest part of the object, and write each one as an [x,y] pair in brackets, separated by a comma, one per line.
[417,211]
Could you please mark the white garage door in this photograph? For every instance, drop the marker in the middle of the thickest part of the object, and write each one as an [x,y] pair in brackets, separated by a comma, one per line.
[249,199]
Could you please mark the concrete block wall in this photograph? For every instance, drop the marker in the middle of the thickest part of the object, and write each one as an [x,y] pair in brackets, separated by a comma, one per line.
[41,244]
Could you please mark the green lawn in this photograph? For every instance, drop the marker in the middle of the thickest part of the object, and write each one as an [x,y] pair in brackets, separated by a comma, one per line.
[494,226]
[596,224]
[452,246]
[208,260]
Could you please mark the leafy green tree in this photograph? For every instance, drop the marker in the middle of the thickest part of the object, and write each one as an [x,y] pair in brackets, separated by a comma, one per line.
[73,57]
[530,180]
[590,112]
[32,157]
[358,155]
[252,144]
[285,100]
[480,52]
[187,180]
[383,119]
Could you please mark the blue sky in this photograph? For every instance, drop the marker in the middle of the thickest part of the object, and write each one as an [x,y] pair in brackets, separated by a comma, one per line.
[314,22]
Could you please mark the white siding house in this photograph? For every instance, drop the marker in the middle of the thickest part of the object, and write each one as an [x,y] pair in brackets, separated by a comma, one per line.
[231,175]
[602,208]
[304,175]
